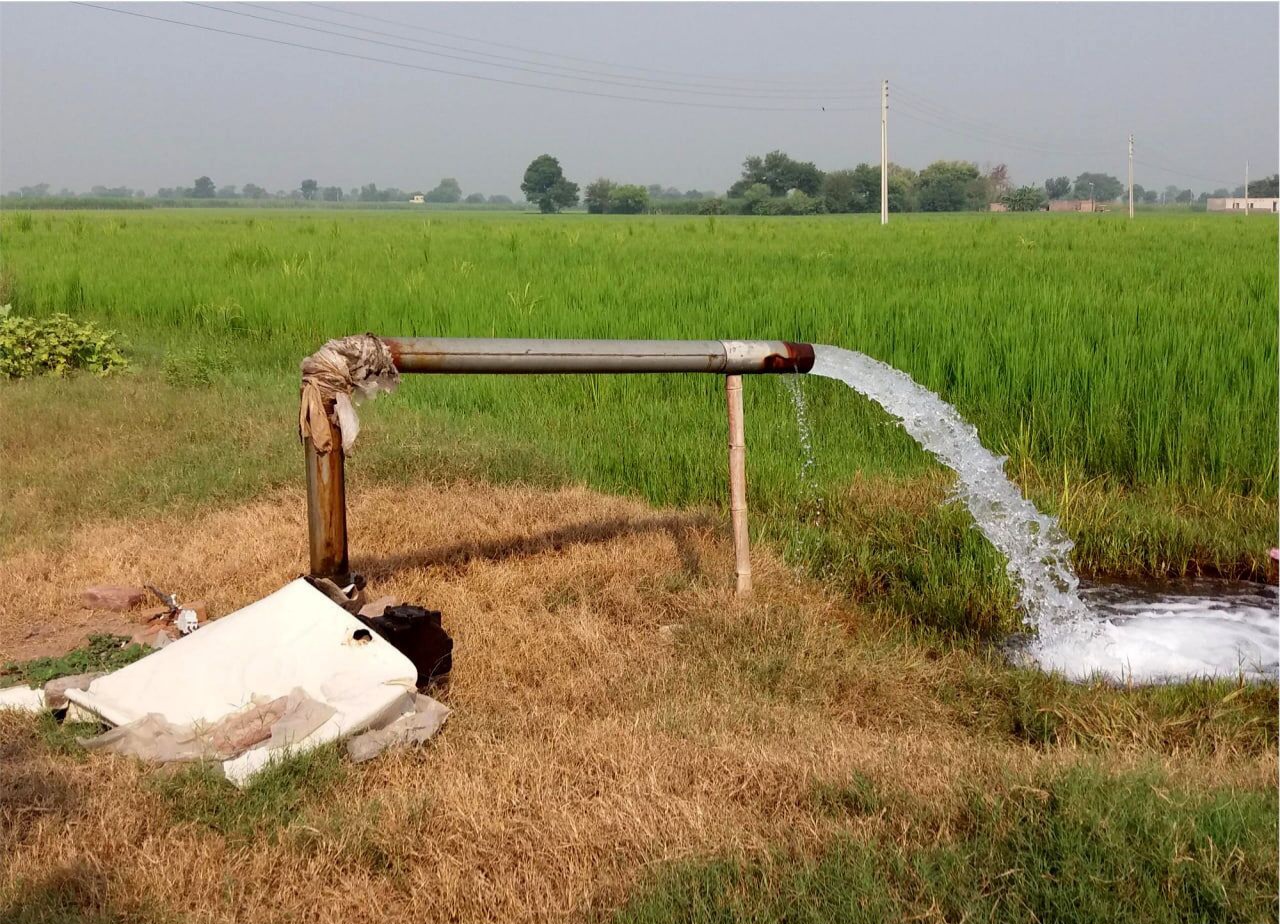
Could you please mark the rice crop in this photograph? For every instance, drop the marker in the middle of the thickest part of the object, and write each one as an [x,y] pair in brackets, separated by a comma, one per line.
[1100,355]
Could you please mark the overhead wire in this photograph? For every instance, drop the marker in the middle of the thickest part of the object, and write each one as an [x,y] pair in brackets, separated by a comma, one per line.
[576,91]
[647,83]
[609,64]
[537,70]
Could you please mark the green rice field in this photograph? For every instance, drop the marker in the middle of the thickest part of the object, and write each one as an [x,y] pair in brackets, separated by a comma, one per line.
[1127,369]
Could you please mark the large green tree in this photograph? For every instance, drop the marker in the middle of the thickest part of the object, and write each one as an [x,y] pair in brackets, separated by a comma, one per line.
[545,184]
[596,196]
[1268,186]
[447,190]
[1105,187]
[780,172]
[1058,187]
[203,189]
[950,186]
[309,188]
[628,200]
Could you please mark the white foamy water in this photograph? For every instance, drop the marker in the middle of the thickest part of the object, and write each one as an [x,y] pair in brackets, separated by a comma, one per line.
[1151,639]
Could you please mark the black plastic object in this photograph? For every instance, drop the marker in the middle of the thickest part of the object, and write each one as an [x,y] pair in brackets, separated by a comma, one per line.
[417,634]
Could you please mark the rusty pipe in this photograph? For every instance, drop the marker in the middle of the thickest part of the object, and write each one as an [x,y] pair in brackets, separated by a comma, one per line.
[507,356]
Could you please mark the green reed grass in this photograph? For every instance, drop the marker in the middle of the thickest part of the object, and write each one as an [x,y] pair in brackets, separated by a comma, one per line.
[1089,349]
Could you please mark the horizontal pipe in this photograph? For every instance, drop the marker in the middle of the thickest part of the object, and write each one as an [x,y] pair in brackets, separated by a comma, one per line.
[498,356]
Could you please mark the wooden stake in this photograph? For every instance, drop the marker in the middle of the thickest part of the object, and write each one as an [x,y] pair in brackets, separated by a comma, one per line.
[738,484]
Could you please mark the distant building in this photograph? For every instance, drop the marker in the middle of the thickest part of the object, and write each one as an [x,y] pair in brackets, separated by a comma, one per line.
[1072,205]
[418,199]
[1254,204]
[998,207]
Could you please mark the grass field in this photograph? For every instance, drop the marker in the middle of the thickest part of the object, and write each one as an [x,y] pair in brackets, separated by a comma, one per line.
[630,742]
[1127,370]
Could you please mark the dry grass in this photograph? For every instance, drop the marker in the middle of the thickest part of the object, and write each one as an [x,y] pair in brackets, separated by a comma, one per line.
[588,743]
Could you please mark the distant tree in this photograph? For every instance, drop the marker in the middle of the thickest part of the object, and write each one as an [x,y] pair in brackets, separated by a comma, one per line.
[1105,187]
[1138,192]
[1221,192]
[628,200]
[1024,199]
[1238,192]
[39,191]
[253,191]
[1150,196]
[447,190]
[998,183]
[331,194]
[227,192]
[711,205]
[545,184]
[309,189]
[500,199]
[203,188]
[840,191]
[1184,195]
[369,193]
[780,173]
[474,199]
[597,195]
[1057,187]
[1267,187]
[755,199]
[1170,194]
[948,186]
[654,190]
[694,194]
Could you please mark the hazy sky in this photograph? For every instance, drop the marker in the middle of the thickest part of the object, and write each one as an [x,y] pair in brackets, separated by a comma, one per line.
[93,97]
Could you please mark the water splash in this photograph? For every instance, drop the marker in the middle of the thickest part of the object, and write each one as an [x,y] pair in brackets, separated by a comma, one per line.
[808,464]
[1159,642]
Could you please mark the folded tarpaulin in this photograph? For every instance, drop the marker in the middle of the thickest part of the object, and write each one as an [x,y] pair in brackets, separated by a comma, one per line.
[295,645]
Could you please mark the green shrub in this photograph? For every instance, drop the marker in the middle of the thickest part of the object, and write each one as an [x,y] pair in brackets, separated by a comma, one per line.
[197,366]
[101,653]
[55,345]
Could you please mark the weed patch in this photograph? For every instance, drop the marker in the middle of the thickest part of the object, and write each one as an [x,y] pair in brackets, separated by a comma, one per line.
[1079,847]
[101,653]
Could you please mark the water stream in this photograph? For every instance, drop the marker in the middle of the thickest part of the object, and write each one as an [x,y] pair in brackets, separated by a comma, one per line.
[1145,637]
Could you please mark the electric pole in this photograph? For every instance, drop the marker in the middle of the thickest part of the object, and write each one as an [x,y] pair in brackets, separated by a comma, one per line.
[1130,174]
[884,152]
[1246,187]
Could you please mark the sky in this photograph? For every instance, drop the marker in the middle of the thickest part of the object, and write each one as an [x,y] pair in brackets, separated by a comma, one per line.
[92,97]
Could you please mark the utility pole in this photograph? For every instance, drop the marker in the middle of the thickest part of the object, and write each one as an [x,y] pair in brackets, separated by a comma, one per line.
[1246,187]
[884,152]
[1131,174]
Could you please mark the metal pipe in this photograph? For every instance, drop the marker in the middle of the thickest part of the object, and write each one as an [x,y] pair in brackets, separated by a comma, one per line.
[738,484]
[498,356]
[326,488]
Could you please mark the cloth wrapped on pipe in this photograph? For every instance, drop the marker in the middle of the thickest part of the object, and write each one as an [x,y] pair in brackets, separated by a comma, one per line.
[342,373]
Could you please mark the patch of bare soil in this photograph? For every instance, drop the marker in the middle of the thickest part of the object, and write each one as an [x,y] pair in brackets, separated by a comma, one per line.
[615,707]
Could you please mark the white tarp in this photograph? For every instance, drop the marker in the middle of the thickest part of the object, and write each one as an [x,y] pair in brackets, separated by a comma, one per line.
[28,699]
[296,639]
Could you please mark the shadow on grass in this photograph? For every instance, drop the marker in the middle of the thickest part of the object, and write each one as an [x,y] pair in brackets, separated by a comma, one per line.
[75,893]
[459,554]
[1078,846]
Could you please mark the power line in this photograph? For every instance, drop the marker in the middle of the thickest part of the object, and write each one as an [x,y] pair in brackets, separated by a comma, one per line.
[653,84]
[1034,149]
[534,51]
[512,67]
[488,79]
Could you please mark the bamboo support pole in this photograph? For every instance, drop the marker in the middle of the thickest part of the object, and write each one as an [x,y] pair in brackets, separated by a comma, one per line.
[327,509]
[738,484]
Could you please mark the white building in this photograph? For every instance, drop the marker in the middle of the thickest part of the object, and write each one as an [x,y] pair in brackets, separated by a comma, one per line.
[418,199]
[1251,205]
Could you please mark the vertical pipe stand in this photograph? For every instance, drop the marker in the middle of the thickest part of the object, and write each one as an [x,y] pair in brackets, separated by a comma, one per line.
[327,510]
[738,484]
